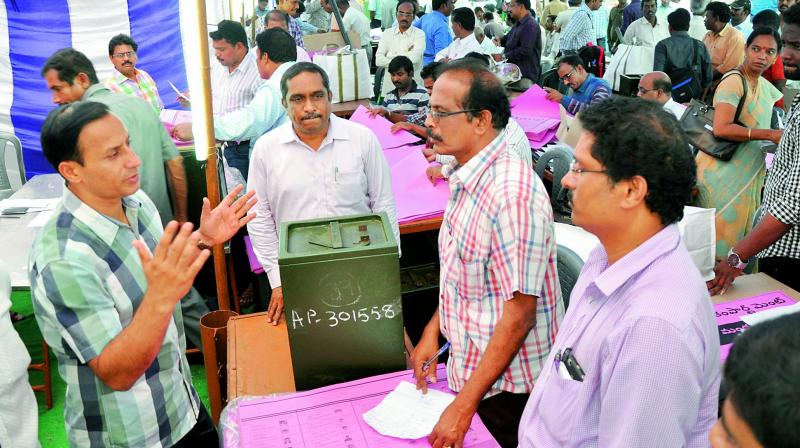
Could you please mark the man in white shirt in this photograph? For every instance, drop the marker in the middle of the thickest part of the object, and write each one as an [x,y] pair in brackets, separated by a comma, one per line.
[740,17]
[318,165]
[657,87]
[647,30]
[353,20]
[279,19]
[486,44]
[462,22]
[665,7]
[697,27]
[401,40]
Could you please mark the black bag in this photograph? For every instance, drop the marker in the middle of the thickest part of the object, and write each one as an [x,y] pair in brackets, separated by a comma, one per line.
[698,124]
[686,81]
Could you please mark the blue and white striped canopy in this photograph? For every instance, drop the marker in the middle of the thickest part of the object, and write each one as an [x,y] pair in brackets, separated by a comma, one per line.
[32,30]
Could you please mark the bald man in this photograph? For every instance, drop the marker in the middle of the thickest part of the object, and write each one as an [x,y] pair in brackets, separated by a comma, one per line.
[657,87]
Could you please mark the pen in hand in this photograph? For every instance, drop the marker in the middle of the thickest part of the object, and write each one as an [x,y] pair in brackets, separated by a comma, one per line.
[433,358]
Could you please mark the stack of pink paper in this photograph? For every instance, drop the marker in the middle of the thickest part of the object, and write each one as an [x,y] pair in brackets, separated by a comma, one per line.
[414,194]
[171,117]
[537,116]
[383,129]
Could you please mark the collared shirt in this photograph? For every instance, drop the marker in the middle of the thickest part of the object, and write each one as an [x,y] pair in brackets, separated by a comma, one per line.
[697,28]
[592,90]
[579,31]
[553,8]
[517,144]
[264,113]
[459,48]
[410,103]
[141,86]
[302,55]
[726,48]
[437,34]
[148,138]
[523,46]
[600,19]
[87,283]
[296,32]
[645,334]
[614,24]
[782,188]
[496,239]
[234,90]
[631,13]
[347,175]
[682,51]
[641,32]
[355,21]
[419,117]
[489,47]
[674,108]
[317,15]
[393,43]
[746,27]
[663,11]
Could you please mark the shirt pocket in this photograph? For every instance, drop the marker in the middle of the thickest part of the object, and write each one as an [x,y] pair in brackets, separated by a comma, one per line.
[350,186]
[472,280]
[561,406]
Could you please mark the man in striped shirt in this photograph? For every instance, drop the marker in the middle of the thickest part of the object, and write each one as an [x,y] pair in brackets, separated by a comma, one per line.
[580,29]
[290,7]
[127,78]
[407,97]
[500,302]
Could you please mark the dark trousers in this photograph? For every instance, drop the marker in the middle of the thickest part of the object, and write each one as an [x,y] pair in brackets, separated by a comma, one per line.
[238,156]
[501,414]
[204,434]
[783,269]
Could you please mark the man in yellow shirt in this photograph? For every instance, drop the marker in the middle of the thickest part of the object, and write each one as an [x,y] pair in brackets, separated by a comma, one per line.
[725,43]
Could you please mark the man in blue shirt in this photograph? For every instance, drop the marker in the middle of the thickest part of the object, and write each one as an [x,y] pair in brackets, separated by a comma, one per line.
[586,88]
[436,28]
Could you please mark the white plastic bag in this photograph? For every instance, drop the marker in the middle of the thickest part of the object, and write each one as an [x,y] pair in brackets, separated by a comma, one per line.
[348,73]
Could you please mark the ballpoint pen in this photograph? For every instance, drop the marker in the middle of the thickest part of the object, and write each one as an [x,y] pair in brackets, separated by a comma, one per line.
[436,356]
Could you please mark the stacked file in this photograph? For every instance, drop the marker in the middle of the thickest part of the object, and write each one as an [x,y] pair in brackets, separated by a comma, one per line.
[538,116]
[416,197]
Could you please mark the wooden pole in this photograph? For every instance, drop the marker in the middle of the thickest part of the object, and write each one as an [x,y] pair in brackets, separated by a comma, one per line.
[212,179]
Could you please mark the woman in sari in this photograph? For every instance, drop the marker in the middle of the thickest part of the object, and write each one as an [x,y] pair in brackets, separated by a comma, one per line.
[733,188]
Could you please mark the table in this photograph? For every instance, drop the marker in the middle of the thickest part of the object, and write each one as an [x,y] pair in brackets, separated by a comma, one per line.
[251,341]
[347,108]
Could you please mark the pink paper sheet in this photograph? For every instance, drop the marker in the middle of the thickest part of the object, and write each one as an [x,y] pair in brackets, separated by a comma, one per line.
[729,315]
[383,129]
[171,117]
[331,417]
[534,103]
[415,196]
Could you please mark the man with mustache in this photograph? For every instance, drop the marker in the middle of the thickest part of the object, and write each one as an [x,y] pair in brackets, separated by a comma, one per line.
[407,98]
[401,40]
[318,165]
[127,78]
[585,88]
[775,240]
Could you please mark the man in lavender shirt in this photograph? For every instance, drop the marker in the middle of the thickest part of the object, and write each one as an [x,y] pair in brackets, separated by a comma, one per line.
[636,361]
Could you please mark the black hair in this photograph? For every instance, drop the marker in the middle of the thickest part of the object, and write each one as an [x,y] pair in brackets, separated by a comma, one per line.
[301,7]
[679,19]
[277,44]
[303,67]
[765,31]
[572,60]
[69,62]
[401,63]
[480,57]
[720,10]
[411,2]
[279,14]
[121,39]
[792,15]
[485,92]
[431,70]
[574,2]
[436,4]
[464,17]
[638,138]
[230,31]
[487,16]
[643,1]
[768,18]
[525,4]
[62,129]
[663,84]
[763,384]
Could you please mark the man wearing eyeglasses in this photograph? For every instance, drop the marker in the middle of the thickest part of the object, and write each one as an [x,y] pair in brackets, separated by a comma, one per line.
[316,166]
[500,302]
[127,78]
[401,40]
[636,361]
[585,88]
[657,87]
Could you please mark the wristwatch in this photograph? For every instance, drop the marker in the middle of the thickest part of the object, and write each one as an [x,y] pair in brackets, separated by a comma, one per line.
[735,261]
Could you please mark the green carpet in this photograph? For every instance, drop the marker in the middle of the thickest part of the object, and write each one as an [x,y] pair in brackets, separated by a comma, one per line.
[51,421]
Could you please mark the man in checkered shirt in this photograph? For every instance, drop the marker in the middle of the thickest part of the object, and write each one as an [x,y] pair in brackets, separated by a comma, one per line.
[775,241]
[500,302]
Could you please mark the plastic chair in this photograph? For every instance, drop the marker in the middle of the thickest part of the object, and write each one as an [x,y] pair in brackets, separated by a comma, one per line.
[569,266]
[559,158]
[12,168]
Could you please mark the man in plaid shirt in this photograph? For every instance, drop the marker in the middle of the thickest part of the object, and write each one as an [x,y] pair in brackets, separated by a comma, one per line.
[500,302]
[106,279]
[775,241]
[127,78]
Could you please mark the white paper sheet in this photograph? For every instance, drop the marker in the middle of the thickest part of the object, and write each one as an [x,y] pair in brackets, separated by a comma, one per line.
[406,413]
[34,205]
[41,219]
[757,318]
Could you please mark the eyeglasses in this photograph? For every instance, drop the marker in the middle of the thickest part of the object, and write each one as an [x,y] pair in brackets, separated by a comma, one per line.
[642,90]
[126,54]
[568,76]
[579,171]
[439,115]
